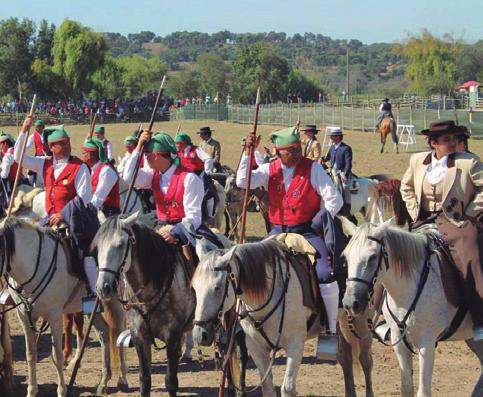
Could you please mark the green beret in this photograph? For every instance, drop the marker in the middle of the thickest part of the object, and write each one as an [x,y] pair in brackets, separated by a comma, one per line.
[285,138]
[182,136]
[130,140]
[99,129]
[39,123]
[161,142]
[55,133]
[5,136]
[95,145]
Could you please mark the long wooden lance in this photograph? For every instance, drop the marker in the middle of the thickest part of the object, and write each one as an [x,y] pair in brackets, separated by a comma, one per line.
[248,178]
[92,124]
[22,153]
[138,162]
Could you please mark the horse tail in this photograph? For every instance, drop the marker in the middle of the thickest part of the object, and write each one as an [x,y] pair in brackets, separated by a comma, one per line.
[113,324]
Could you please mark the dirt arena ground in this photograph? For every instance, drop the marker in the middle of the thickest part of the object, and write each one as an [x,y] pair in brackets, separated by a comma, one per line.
[456,368]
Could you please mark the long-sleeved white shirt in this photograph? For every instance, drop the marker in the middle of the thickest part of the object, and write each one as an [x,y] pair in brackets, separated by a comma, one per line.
[193,187]
[7,162]
[331,198]
[107,180]
[109,149]
[204,157]
[82,181]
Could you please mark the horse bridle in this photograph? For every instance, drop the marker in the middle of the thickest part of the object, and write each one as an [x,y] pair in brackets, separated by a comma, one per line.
[130,243]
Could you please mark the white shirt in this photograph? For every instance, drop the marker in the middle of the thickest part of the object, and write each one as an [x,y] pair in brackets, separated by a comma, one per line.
[123,161]
[107,180]
[436,171]
[82,181]
[331,198]
[109,149]
[7,162]
[31,141]
[193,187]
[204,157]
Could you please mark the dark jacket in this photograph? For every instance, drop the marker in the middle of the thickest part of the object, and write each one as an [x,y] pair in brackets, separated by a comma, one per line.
[341,158]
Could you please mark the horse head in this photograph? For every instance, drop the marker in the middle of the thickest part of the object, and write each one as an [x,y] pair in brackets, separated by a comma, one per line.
[114,245]
[214,285]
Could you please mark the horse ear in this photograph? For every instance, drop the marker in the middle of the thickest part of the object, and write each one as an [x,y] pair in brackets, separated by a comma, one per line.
[130,219]
[203,246]
[228,257]
[348,227]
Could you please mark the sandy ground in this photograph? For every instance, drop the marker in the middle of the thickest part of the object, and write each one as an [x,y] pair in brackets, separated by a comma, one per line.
[456,368]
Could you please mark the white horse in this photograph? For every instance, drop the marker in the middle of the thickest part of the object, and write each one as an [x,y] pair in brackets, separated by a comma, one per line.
[405,264]
[249,272]
[41,286]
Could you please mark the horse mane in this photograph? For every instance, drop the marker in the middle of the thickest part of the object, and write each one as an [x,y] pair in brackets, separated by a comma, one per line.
[406,250]
[156,258]
[388,194]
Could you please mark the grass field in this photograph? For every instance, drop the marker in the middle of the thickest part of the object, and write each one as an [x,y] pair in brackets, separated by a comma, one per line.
[456,369]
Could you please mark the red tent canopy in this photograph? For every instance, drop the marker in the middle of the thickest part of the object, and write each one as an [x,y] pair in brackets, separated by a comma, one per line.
[468,84]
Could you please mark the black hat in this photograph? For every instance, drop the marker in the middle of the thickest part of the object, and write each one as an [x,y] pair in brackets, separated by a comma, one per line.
[310,127]
[205,130]
[443,127]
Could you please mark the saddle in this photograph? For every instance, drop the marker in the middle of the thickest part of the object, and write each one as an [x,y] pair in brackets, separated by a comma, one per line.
[72,254]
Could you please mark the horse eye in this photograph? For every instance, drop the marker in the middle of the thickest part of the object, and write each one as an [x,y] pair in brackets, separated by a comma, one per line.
[217,288]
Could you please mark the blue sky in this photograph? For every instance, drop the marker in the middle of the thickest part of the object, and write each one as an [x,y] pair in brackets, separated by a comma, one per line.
[366,20]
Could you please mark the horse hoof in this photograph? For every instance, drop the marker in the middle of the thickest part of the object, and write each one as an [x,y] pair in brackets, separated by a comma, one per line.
[101,390]
[122,386]
[186,358]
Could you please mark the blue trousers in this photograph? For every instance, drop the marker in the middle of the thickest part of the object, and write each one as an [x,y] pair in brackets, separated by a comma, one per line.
[322,266]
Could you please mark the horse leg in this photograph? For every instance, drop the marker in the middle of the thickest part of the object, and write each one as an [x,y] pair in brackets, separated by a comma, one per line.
[243,356]
[102,332]
[477,348]
[68,320]
[57,355]
[143,350]
[31,354]
[261,356]
[365,358]
[426,365]
[173,353]
[295,351]
[344,357]
[383,143]
[188,346]
[405,363]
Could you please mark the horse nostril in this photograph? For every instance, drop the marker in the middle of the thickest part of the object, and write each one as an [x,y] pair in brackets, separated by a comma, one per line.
[355,305]
[106,289]
[204,336]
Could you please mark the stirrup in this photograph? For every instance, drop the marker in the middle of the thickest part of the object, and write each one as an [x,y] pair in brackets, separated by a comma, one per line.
[124,339]
[326,350]
[382,331]
[478,333]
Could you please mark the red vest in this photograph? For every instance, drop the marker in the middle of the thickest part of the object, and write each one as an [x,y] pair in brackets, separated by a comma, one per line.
[58,192]
[191,162]
[113,199]
[39,147]
[169,207]
[300,203]
[13,168]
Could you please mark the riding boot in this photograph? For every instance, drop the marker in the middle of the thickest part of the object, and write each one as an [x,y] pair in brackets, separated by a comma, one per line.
[327,343]
[90,268]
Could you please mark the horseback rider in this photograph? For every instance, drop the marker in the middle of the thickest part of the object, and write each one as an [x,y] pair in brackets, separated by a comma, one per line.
[104,178]
[9,166]
[445,187]
[298,190]
[37,141]
[66,177]
[340,157]
[195,159]
[313,149]
[100,133]
[130,143]
[385,110]
[210,146]
[178,193]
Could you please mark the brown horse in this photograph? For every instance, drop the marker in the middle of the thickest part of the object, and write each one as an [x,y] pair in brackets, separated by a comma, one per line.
[69,320]
[387,200]
[388,126]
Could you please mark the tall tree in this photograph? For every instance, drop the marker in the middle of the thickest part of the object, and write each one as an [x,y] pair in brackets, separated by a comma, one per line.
[44,42]
[183,84]
[16,55]
[77,54]
[259,65]
[213,75]
[431,62]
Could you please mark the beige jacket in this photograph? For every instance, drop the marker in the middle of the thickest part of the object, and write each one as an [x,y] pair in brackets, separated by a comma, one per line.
[312,149]
[462,186]
[213,148]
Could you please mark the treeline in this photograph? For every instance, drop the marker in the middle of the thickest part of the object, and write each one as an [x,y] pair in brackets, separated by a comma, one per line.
[72,61]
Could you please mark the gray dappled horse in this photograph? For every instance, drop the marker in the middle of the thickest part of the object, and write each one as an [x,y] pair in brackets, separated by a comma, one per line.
[416,309]
[153,278]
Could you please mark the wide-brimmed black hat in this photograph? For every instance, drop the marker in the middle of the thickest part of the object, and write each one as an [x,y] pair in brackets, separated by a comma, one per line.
[205,130]
[443,127]
[310,127]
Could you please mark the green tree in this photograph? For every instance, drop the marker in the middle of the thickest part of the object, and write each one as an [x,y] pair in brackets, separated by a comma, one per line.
[258,65]
[431,62]
[299,83]
[16,55]
[47,84]
[183,84]
[77,54]
[107,81]
[213,75]
[140,75]
[44,42]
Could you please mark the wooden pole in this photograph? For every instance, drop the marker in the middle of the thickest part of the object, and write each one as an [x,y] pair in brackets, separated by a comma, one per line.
[22,153]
